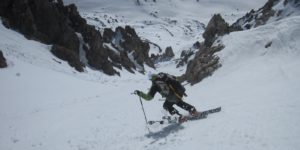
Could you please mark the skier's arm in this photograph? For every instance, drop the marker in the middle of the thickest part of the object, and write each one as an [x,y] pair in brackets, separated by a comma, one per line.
[149,96]
[145,96]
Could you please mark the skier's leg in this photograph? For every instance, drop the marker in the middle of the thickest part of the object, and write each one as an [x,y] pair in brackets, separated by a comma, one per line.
[191,109]
[169,107]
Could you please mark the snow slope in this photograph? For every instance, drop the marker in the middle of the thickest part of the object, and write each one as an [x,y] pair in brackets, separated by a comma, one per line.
[257,88]
[47,105]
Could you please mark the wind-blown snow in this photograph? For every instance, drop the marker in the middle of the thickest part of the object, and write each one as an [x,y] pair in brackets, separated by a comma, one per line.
[45,104]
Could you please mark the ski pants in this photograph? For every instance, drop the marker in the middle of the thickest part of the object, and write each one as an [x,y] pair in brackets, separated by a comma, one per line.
[180,103]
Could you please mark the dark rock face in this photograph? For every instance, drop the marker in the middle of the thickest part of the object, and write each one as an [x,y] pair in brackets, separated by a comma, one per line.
[187,54]
[184,57]
[126,49]
[40,20]
[127,63]
[216,27]
[51,22]
[169,53]
[3,63]
[259,17]
[132,43]
[67,55]
[108,35]
[203,65]
[255,18]
[205,62]
[166,56]
[96,54]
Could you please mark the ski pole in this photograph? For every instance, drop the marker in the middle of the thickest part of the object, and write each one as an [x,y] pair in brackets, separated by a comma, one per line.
[144,114]
[143,110]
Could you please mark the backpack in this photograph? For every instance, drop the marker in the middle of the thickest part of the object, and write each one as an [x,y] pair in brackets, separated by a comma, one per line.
[173,85]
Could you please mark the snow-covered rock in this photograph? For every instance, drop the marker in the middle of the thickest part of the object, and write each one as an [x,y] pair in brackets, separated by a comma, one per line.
[273,10]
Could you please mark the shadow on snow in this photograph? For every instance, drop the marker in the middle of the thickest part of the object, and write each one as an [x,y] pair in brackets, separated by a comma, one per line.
[166,131]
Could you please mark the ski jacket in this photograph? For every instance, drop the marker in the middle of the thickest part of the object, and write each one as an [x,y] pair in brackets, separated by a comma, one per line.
[159,84]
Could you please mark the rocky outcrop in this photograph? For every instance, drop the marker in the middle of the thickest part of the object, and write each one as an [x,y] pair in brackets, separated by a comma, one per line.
[127,49]
[67,55]
[96,54]
[184,57]
[168,53]
[216,27]
[50,22]
[108,35]
[259,17]
[203,65]
[166,56]
[41,20]
[132,43]
[3,63]
[255,18]
[187,54]
[205,62]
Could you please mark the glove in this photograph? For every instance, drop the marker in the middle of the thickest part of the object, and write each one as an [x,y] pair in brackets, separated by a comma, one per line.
[137,92]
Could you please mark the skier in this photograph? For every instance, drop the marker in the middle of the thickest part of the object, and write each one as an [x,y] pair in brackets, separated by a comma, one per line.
[170,88]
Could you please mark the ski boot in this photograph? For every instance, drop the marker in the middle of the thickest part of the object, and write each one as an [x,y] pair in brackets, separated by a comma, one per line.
[195,113]
[182,119]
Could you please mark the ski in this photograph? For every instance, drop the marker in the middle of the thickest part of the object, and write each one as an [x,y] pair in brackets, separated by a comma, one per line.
[163,121]
[170,119]
[204,114]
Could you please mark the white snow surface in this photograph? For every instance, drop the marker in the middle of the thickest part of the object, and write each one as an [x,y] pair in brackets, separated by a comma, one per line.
[45,104]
